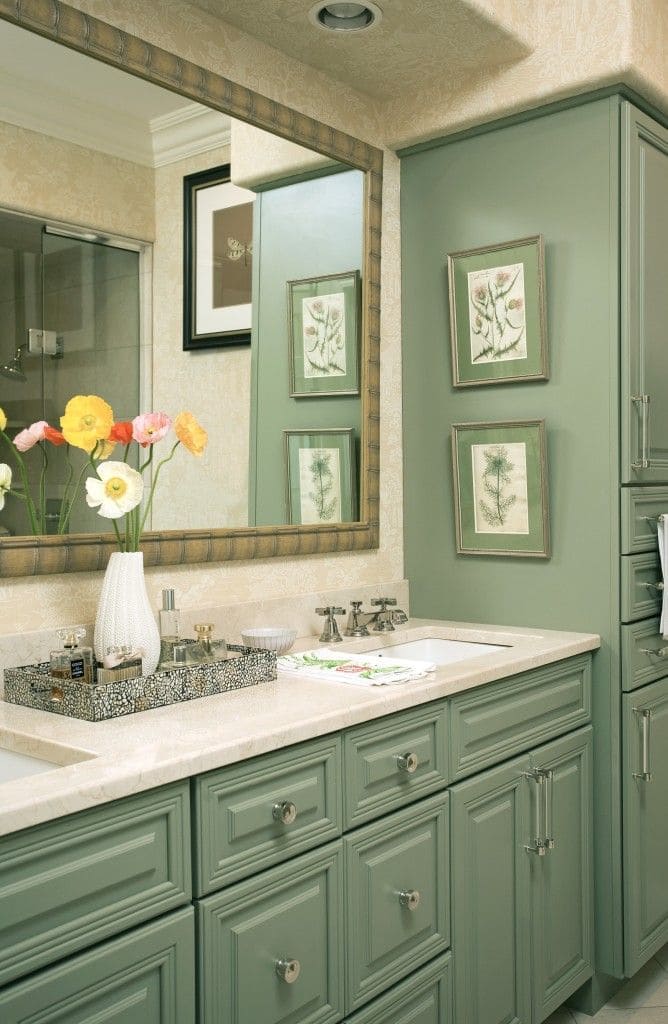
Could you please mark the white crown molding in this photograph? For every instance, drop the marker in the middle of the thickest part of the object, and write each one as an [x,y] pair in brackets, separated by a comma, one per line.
[190,130]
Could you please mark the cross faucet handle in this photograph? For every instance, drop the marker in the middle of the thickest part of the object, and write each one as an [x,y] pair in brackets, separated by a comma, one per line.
[383,602]
[330,633]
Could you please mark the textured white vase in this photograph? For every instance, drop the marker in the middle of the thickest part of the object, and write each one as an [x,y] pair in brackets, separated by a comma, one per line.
[124,615]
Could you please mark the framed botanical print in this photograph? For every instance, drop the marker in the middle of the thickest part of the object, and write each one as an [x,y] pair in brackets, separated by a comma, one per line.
[498,330]
[321,479]
[217,260]
[500,488]
[323,328]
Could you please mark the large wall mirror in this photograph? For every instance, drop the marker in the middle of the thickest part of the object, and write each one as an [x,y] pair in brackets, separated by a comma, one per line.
[170,240]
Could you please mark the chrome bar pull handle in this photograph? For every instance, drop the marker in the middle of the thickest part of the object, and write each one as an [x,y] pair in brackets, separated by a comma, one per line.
[642,402]
[549,808]
[538,777]
[653,586]
[654,652]
[645,774]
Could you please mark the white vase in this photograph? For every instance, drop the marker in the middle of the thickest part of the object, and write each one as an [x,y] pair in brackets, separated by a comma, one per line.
[124,615]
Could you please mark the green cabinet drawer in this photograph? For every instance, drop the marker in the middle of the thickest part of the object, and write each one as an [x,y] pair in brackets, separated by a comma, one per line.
[641,508]
[394,761]
[644,654]
[256,814]
[270,949]
[641,586]
[424,998]
[83,878]
[143,977]
[397,897]
[492,723]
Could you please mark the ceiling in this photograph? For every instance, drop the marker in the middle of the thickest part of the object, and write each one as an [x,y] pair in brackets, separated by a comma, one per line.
[415,42]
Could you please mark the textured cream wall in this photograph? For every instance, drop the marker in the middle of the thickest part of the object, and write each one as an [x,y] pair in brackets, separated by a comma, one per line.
[214,384]
[31,604]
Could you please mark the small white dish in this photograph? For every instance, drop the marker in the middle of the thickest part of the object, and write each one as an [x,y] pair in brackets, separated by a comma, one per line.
[270,638]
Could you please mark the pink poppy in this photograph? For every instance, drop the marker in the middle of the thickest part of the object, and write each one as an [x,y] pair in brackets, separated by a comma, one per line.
[150,427]
[28,438]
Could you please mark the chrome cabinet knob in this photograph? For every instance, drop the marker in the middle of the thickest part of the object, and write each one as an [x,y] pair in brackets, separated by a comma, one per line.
[410,898]
[408,763]
[285,812]
[288,970]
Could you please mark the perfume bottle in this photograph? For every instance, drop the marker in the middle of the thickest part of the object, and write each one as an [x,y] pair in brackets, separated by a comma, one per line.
[213,650]
[72,661]
[169,628]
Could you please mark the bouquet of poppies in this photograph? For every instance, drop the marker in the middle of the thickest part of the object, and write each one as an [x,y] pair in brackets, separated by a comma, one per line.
[116,489]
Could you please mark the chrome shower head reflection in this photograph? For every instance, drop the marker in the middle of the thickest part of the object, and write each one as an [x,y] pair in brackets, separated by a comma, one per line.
[13,370]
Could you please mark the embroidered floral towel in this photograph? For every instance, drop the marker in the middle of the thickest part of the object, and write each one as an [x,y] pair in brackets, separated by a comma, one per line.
[359,669]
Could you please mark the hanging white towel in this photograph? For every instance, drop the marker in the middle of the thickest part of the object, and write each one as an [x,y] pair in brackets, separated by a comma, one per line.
[662,533]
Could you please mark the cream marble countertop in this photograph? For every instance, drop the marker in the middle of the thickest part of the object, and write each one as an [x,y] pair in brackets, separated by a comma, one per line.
[132,754]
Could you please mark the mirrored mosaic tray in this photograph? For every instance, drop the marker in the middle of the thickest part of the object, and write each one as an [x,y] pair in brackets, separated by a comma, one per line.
[32,686]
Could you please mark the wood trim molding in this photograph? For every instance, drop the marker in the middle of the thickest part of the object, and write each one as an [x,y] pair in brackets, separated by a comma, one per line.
[32,556]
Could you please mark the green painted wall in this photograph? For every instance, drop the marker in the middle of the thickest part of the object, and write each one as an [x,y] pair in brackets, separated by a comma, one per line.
[556,175]
[307,229]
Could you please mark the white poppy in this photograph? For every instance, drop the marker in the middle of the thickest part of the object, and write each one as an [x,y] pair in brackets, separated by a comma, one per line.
[118,490]
[5,482]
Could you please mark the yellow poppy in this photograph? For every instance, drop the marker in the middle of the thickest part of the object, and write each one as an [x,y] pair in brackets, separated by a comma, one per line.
[3,420]
[190,433]
[87,420]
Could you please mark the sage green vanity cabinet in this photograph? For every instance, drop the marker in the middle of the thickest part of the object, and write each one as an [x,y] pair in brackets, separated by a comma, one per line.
[644,384]
[425,998]
[80,879]
[254,814]
[394,761]
[522,884]
[271,949]
[645,822]
[397,897]
[144,977]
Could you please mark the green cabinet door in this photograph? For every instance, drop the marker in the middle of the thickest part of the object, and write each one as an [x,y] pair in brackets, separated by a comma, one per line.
[424,998]
[146,976]
[644,298]
[270,949]
[645,785]
[562,879]
[397,906]
[491,896]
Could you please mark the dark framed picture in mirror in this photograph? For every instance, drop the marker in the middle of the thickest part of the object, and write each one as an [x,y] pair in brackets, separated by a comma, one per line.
[323,328]
[320,476]
[217,260]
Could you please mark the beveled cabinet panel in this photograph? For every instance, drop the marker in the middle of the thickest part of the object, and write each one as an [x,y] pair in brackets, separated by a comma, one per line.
[641,586]
[394,761]
[144,977]
[640,509]
[424,998]
[80,879]
[495,722]
[251,815]
[270,949]
[644,653]
[397,897]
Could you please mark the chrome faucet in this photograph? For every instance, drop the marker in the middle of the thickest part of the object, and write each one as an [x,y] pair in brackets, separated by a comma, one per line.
[330,633]
[384,620]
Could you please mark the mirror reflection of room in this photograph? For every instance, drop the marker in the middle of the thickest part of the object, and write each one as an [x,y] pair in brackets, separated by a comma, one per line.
[91,286]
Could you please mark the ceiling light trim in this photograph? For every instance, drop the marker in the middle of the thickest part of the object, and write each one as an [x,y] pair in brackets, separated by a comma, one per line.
[368,15]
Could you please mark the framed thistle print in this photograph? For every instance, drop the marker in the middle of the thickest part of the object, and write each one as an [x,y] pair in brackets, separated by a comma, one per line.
[323,328]
[498,330]
[217,260]
[320,476]
[500,488]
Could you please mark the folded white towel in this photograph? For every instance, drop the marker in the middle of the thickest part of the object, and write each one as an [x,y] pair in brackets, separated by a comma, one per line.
[358,669]
[662,533]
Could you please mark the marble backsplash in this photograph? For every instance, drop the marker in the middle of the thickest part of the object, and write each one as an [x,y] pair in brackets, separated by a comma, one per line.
[298,613]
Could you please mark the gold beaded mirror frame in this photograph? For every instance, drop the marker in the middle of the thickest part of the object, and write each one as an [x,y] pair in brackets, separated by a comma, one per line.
[26,556]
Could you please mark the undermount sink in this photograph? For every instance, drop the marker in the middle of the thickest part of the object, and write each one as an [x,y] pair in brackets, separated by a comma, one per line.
[437,650]
[16,763]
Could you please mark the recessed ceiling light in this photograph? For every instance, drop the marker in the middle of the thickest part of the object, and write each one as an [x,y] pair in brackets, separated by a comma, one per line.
[347,17]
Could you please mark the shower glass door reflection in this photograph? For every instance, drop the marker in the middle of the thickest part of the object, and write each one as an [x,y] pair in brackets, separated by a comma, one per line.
[69,325]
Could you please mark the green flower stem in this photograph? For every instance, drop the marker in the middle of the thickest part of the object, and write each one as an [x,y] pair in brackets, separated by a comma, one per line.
[74,494]
[149,503]
[42,489]
[30,504]
[118,535]
[64,505]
